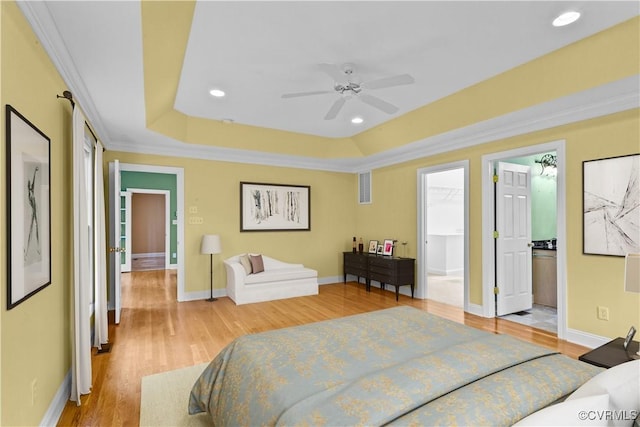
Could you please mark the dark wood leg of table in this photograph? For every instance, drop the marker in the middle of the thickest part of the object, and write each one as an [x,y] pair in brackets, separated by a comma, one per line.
[397,292]
[412,291]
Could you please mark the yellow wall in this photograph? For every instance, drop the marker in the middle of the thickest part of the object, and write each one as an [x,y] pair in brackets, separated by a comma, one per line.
[35,334]
[336,216]
[214,188]
[591,280]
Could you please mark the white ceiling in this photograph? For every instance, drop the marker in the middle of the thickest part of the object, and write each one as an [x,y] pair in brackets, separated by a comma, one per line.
[257,51]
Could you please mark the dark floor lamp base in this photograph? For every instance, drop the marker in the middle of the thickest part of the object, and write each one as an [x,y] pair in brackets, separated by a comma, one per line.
[211,298]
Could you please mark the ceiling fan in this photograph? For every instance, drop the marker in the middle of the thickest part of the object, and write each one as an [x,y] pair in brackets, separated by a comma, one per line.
[347,86]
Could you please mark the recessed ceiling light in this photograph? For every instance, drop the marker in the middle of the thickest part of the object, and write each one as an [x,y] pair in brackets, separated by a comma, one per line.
[357,120]
[566,18]
[218,93]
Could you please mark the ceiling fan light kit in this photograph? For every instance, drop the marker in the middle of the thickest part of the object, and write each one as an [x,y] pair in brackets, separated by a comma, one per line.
[347,85]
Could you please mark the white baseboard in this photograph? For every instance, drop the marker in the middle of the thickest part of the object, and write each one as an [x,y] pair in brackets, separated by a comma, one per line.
[148,255]
[58,403]
[172,267]
[330,280]
[585,338]
[217,293]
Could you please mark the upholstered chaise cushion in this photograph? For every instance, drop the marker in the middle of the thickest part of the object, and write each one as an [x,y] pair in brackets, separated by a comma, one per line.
[278,280]
[280,274]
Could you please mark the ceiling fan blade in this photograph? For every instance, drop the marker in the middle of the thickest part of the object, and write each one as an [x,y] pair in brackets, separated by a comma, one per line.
[402,79]
[378,103]
[335,109]
[333,71]
[317,92]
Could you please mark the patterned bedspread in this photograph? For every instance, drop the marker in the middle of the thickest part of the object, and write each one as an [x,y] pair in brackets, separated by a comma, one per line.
[395,366]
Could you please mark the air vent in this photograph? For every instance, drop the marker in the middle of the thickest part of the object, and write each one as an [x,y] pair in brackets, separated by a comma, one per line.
[364,187]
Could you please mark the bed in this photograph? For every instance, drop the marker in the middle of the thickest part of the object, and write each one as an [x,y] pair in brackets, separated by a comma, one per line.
[398,366]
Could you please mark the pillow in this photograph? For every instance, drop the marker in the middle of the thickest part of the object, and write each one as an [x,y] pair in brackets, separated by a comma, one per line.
[244,260]
[621,383]
[576,412]
[257,265]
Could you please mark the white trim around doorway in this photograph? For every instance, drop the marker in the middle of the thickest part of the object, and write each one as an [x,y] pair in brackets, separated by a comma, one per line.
[167,222]
[421,254]
[488,214]
[179,173]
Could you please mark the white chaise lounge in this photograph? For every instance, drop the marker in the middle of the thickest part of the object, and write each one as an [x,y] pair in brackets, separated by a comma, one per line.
[279,280]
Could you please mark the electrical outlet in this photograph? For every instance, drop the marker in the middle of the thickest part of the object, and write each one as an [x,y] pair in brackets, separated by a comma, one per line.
[193,209]
[34,391]
[603,313]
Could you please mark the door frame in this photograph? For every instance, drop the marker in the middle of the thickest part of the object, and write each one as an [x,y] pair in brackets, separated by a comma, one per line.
[167,222]
[488,216]
[179,173]
[421,253]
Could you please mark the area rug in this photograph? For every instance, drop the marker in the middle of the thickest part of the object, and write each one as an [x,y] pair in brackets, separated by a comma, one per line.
[165,398]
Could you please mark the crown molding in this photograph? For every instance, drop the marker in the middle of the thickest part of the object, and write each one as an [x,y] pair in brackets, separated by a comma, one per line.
[42,23]
[172,148]
[607,99]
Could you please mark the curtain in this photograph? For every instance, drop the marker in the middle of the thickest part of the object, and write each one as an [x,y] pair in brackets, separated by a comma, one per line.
[82,282]
[101,329]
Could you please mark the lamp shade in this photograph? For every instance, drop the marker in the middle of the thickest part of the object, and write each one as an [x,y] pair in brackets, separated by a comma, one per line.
[632,273]
[210,244]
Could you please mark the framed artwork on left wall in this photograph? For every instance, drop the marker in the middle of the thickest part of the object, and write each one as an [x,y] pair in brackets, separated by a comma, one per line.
[28,208]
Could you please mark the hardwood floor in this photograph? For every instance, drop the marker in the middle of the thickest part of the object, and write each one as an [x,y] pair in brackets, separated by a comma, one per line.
[158,334]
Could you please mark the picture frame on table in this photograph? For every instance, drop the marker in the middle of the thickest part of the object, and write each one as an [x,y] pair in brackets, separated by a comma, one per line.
[274,207]
[380,249]
[28,208]
[387,247]
[373,246]
[610,213]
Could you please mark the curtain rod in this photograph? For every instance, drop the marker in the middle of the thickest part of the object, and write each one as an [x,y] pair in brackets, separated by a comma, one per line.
[69,96]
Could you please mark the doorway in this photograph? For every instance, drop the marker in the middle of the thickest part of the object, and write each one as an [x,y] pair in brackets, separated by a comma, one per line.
[556,221]
[177,215]
[443,221]
[149,234]
[541,310]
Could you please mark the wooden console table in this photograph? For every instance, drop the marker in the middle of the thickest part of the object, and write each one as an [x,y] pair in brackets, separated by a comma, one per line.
[384,269]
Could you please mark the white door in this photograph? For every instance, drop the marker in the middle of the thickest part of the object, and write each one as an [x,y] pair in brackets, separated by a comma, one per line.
[513,244]
[115,255]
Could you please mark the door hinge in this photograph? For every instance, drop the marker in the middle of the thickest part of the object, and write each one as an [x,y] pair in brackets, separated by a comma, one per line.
[496,234]
[496,290]
[495,178]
